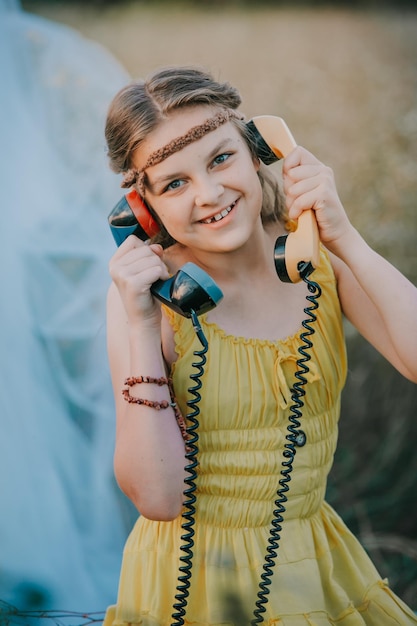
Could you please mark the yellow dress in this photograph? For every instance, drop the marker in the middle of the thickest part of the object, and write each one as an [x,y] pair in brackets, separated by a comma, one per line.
[322,575]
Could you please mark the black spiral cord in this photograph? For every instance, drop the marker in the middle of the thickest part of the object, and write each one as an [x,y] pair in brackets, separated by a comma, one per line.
[191,456]
[295,437]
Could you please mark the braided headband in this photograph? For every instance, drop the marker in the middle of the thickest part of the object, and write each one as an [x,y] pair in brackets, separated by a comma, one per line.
[134,176]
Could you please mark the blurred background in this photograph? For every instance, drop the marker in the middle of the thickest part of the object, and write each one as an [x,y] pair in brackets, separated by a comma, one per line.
[344,77]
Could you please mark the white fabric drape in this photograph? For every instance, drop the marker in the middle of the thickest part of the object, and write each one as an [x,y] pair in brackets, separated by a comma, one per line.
[63,521]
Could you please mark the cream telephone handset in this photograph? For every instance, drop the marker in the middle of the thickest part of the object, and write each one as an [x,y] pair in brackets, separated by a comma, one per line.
[274,141]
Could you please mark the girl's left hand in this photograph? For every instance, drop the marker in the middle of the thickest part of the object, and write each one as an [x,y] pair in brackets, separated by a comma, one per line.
[309,184]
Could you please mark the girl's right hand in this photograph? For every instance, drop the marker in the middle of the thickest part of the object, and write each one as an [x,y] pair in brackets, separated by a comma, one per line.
[134,268]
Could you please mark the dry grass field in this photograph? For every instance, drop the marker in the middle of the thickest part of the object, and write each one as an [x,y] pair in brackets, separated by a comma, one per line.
[346,83]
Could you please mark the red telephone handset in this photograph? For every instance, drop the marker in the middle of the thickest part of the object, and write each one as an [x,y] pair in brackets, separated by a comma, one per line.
[191,289]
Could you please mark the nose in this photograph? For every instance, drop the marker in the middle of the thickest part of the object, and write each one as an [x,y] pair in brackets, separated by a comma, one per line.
[208,190]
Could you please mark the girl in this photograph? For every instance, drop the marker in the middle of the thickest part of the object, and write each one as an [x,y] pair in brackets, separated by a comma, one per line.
[179,139]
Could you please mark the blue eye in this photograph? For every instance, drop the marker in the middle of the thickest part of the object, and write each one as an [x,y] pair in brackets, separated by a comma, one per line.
[221,158]
[175,184]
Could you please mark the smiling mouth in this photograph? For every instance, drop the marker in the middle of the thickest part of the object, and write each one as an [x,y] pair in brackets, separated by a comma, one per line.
[219,216]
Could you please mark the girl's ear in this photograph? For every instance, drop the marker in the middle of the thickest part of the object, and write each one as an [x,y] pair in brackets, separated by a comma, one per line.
[257,163]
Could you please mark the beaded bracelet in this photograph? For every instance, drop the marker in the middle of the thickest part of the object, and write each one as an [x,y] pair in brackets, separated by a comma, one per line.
[154,404]
[136,380]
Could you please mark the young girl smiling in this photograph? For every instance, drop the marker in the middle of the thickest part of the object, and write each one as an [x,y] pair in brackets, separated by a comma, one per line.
[181,141]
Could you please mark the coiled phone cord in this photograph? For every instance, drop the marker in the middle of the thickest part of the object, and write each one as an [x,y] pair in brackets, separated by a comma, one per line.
[295,437]
[189,492]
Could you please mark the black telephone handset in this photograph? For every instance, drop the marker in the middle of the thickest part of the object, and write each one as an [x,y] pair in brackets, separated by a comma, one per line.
[192,289]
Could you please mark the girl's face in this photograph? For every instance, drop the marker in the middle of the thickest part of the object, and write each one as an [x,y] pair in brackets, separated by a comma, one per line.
[208,194]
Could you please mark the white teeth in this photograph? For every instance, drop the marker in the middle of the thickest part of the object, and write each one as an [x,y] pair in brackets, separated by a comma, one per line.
[220,215]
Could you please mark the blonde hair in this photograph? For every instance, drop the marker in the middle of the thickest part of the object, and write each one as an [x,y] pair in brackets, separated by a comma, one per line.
[140,106]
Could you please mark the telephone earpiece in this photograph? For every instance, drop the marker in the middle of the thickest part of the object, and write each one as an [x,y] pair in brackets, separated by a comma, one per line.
[274,141]
[191,289]
[131,216]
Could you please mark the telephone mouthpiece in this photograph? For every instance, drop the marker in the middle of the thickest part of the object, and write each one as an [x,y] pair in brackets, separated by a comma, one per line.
[191,289]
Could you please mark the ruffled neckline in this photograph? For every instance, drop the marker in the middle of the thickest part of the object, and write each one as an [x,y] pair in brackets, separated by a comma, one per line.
[255,341]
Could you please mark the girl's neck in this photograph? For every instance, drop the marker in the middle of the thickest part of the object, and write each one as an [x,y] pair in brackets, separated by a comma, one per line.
[248,262]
